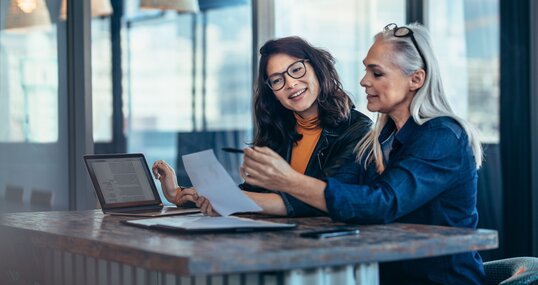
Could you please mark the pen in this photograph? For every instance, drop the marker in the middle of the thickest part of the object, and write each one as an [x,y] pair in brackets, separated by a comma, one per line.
[232,150]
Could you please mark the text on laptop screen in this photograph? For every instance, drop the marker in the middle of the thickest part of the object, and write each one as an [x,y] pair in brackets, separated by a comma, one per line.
[122,180]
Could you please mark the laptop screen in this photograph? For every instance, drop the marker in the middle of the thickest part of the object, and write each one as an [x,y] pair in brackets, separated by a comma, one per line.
[122,180]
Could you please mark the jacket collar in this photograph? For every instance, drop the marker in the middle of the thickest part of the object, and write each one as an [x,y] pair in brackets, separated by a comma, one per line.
[405,133]
[328,134]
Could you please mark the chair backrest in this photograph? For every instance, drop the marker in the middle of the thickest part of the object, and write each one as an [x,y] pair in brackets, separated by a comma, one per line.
[489,199]
[197,141]
[13,194]
[512,271]
[41,199]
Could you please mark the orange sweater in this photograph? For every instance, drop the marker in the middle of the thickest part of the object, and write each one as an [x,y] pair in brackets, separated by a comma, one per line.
[300,153]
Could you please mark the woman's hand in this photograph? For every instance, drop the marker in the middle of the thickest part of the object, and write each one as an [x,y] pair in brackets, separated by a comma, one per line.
[205,207]
[265,168]
[166,175]
[190,195]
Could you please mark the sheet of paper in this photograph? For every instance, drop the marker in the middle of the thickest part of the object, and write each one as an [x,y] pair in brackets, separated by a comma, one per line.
[200,222]
[214,183]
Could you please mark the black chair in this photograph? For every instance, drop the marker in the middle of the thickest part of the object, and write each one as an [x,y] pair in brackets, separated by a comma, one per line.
[490,202]
[41,200]
[13,194]
[197,141]
[512,271]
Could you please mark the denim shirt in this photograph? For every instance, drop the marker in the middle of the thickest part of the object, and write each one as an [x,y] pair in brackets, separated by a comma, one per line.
[333,150]
[430,178]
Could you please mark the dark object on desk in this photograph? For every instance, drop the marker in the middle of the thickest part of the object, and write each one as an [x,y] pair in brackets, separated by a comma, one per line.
[511,271]
[232,150]
[338,232]
[136,194]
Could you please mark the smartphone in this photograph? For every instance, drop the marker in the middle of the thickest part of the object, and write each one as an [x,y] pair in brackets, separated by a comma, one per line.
[329,233]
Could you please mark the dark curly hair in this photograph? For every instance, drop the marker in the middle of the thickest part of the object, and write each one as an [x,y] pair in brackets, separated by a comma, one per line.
[275,125]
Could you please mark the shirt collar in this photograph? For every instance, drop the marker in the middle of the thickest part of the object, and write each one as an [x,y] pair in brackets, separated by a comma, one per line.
[403,135]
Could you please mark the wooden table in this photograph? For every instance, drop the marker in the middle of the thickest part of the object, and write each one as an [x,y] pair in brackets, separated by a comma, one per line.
[87,247]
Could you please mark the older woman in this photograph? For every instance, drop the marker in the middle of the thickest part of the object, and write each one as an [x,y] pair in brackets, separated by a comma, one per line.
[417,165]
[302,114]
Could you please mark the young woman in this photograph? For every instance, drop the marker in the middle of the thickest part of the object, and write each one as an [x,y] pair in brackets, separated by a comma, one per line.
[302,114]
[417,165]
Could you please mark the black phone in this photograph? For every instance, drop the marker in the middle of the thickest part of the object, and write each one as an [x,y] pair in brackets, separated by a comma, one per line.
[329,233]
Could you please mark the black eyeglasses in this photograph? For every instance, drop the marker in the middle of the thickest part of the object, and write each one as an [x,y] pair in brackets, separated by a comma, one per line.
[403,32]
[296,70]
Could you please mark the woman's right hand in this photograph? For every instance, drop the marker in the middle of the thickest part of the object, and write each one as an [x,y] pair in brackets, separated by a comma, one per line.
[166,175]
[190,195]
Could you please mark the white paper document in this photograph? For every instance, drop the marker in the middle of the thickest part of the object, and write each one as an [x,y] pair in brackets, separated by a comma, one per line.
[214,183]
[205,223]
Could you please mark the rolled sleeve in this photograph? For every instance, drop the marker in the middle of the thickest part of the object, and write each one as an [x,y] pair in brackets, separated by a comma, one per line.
[359,203]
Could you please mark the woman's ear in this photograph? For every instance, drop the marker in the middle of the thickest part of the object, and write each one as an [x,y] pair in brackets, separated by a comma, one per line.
[417,79]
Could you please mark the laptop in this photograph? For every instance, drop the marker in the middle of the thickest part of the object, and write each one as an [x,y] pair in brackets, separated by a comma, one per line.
[125,186]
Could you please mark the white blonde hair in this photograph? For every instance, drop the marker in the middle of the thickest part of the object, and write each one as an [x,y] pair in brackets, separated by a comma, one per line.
[428,103]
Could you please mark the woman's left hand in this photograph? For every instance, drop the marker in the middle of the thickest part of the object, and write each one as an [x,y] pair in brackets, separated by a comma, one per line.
[265,168]
[190,194]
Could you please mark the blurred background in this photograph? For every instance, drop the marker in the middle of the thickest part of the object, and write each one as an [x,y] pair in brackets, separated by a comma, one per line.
[167,78]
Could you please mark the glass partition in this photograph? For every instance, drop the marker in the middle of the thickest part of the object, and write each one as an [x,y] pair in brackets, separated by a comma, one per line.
[33,106]
[344,28]
[187,81]
[465,35]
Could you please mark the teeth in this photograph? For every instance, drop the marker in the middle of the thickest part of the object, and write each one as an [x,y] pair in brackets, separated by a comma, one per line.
[297,94]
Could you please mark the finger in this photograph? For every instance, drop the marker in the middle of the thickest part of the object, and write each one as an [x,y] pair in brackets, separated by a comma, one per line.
[264,150]
[250,154]
[155,170]
[204,207]
[252,181]
[251,160]
[155,173]
[255,168]
[242,172]
[255,157]
[191,191]
[184,199]
[185,195]
[250,173]
[210,211]
[199,202]
[187,191]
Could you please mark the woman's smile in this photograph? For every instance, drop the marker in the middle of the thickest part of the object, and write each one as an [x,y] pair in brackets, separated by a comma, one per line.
[297,95]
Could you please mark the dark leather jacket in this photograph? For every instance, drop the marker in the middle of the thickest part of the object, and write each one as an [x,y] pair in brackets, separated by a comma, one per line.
[334,148]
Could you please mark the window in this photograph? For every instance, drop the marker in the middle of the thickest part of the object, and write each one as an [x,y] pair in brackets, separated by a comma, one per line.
[465,35]
[101,79]
[187,81]
[29,83]
[229,69]
[344,28]
[33,106]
